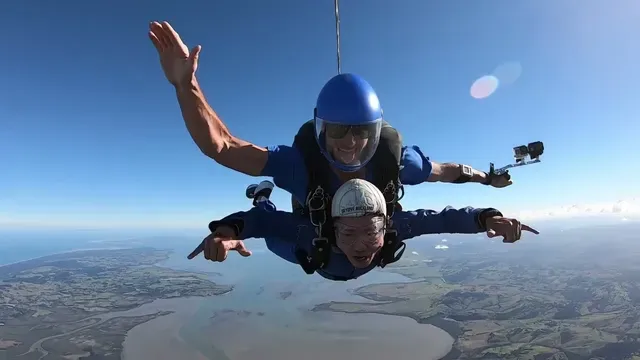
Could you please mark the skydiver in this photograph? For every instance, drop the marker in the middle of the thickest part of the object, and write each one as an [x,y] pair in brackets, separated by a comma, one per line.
[359,235]
[347,112]
[346,139]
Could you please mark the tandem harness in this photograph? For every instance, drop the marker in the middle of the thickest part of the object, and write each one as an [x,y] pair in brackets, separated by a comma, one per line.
[386,171]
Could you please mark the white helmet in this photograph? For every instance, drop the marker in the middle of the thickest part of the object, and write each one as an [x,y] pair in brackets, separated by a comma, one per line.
[357,198]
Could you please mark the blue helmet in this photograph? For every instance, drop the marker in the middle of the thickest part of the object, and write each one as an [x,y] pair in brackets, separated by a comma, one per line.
[348,120]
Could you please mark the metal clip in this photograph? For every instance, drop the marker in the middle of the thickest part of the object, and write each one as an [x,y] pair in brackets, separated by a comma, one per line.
[316,204]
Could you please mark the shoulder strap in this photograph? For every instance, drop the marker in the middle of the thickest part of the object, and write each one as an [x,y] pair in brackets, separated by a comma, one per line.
[386,160]
[386,176]
[386,166]
[317,166]
[318,201]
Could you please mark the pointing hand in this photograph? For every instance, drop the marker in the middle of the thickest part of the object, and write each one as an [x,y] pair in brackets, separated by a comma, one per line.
[509,229]
[217,245]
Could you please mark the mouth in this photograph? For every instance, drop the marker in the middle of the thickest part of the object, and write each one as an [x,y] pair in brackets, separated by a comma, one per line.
[347,151]
[345,155]
[363,258]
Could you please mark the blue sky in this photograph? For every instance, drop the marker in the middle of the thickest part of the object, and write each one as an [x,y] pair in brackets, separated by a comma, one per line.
[91,133]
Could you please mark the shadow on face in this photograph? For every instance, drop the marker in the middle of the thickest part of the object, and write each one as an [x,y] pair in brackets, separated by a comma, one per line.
[360,238]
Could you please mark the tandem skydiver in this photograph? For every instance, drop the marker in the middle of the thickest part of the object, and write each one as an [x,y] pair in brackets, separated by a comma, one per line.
[346,139]
[347,121]
[359,236]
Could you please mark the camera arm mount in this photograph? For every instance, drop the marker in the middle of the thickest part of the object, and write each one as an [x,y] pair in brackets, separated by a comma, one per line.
[524,155]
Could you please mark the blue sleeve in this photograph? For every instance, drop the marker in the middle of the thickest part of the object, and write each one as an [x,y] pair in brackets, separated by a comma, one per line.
[410,224]
[260,223]
[286,166]
[416,167]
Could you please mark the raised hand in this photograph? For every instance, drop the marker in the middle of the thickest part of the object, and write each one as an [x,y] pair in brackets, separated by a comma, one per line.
[178,63]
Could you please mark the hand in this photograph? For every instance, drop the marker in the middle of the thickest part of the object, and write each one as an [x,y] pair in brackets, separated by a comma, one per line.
[179,65]
[509,229]
[500,181]
[217,245]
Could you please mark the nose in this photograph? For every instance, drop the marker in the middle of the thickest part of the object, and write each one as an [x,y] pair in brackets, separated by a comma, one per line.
[349,139]
[359,247]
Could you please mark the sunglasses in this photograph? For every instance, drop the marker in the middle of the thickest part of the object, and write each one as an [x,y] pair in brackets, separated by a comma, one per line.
[337,131]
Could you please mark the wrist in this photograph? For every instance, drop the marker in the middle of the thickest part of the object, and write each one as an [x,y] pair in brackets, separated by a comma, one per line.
[465,173]
[480,177]
[236,224]
[485,178]
[485,215]
[188,84]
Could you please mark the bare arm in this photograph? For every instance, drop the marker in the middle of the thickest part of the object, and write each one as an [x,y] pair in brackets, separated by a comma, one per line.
[450,172]
[213,137]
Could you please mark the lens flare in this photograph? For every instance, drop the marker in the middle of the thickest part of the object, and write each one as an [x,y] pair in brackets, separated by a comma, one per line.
[484,87]
[508,72]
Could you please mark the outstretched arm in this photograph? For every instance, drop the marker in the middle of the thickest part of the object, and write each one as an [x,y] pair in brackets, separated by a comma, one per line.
[227,234]
[450,173]
[467,220]
[418,169]
[207,130]
[259,223]
[213,137]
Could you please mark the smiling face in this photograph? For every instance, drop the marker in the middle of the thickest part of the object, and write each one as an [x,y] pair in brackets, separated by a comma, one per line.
[347,150]
[360,238]
[346,143]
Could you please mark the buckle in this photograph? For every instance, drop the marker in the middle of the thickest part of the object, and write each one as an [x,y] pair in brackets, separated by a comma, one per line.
[320,240]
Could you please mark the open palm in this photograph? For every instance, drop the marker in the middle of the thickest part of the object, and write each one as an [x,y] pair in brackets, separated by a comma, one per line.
[178,63]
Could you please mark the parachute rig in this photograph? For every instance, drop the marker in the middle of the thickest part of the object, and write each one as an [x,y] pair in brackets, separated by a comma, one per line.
[524,155]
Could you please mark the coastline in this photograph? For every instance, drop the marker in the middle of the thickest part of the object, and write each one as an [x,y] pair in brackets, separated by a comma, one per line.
[144,307]
[66,252]
[451,327]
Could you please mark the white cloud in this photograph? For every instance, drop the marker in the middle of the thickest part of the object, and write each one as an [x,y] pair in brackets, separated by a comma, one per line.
[415,253]
[444,240]
[441,247]
[628,209]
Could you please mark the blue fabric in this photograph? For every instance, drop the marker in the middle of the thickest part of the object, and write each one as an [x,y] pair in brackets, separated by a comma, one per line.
[284,232]
[286,166]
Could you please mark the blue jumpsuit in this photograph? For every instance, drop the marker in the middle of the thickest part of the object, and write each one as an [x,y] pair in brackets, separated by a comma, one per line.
[285,232]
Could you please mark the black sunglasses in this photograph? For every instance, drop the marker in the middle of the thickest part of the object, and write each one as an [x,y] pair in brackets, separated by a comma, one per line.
[337,131]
